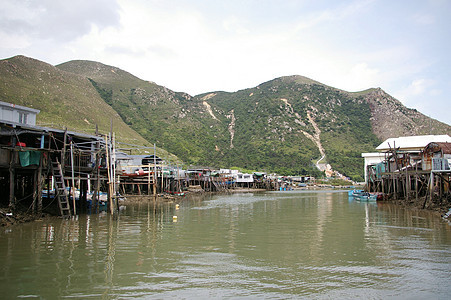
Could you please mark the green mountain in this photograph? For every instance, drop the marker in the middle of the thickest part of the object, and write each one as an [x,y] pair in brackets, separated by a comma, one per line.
[285,125]
[289,125]
[65,100]
[151,110]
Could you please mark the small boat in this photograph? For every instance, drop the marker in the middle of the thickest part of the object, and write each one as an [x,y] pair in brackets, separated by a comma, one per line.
[176,193]
[285,188]
[360,195]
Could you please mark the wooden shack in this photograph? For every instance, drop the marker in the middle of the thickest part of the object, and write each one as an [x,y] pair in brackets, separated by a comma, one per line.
[436,156]
[414,167]
[38,160]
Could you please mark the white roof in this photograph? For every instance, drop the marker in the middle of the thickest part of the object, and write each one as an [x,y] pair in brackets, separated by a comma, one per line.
[19,107]
[412,142]
[373,154]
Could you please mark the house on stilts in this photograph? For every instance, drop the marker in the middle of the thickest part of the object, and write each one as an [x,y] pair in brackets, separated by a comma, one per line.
[41,167]
[411,168]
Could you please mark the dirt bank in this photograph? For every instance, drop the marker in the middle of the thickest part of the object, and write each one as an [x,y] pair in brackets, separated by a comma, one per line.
[7,218]
[440,206]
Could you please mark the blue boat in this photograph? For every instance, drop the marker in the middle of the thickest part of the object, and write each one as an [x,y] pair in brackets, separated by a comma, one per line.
[360,195]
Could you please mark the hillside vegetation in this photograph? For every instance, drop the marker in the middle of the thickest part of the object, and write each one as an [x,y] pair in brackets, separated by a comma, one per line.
[289,125]
[65,99]
[285,125]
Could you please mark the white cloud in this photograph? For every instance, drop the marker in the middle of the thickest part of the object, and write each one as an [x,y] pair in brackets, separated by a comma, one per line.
[424,19]
[235,25]
[14,41]
[418,87]
[61,21]
[196,46]
[362,77]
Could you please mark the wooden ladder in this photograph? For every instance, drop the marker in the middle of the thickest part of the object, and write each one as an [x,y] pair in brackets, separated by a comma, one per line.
[60,189]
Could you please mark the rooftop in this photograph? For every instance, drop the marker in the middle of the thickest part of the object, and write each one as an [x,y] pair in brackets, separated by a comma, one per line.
[19,107]
[412,143]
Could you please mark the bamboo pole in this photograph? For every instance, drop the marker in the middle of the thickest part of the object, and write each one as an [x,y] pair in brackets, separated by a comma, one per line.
[148,179]
[63,151]
[12,176]
[162,180]
[110,199]
[407,185]
[155,178]
[73,175]
[416,182]
[177,188]
[35,191]
[41,179]
[113,163]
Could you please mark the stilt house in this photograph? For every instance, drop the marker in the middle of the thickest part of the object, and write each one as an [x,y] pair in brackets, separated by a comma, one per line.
[35,159]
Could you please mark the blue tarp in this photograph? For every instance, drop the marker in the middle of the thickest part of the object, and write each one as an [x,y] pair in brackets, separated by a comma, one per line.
[380,168]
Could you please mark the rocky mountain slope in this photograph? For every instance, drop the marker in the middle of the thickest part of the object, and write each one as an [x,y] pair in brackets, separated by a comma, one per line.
[288,125]
[390,118]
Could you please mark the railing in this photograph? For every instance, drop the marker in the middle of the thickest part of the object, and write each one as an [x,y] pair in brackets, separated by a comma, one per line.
[82,159]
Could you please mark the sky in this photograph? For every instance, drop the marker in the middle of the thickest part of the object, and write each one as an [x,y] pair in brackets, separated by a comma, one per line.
[198,46]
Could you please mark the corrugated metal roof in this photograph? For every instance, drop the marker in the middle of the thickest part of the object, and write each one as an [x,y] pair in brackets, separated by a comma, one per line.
[412,143]
[433,147]
[446,147]
[48,129]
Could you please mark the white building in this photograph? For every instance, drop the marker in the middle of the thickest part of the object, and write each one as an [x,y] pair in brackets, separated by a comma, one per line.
[12,113]
[410,144]
[372,159]
[244,178]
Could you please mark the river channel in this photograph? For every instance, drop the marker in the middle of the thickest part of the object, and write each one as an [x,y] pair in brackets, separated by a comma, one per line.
[272,245]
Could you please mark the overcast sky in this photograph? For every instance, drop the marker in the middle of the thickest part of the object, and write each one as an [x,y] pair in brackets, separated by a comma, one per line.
[197,46]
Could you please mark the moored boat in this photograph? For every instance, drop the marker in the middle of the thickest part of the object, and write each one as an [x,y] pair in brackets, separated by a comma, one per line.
[360,195]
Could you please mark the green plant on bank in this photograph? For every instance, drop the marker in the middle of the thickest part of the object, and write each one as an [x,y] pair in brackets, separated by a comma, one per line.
[335,182]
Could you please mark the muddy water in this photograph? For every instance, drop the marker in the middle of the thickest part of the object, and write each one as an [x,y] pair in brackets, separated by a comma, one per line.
[275,245]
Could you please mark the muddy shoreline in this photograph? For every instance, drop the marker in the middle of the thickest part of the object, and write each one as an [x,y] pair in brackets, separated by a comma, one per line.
[8,219]
[438,207]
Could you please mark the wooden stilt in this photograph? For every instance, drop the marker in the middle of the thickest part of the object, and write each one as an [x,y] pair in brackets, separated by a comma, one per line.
[40,181]
[148,180]
[12,176]
[83,195]
[35,191]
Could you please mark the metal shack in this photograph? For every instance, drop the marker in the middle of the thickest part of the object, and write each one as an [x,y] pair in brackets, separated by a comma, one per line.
[436,157]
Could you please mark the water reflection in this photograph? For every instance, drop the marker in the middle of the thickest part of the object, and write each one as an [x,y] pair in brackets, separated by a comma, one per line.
[272,245]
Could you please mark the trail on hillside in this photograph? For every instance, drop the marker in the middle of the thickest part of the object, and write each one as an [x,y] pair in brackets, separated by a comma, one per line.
[315,138]
[231,126]
[209,110]
[318,165]
[325,167]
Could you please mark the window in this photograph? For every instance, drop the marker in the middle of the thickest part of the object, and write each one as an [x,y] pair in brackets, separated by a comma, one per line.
[7,114]
[23,118]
